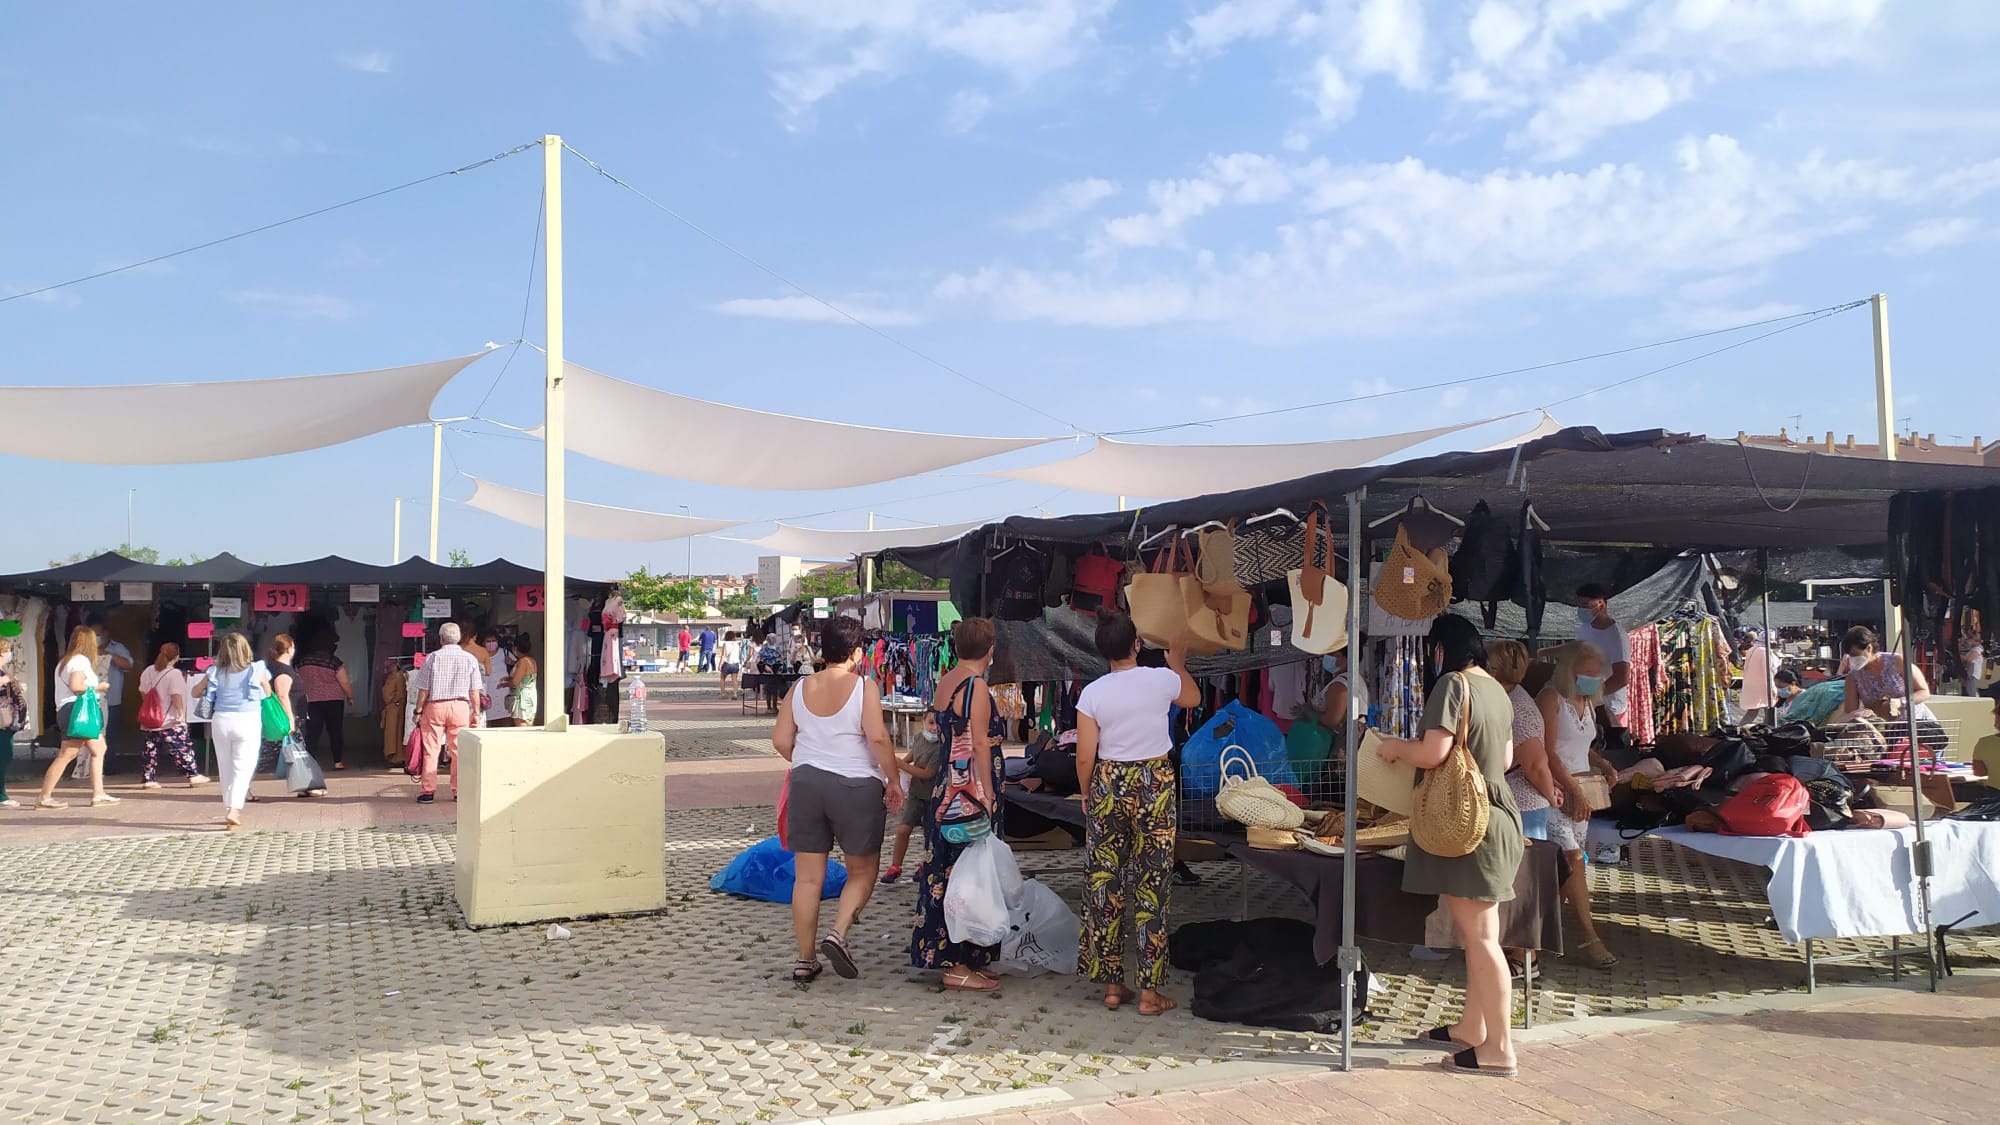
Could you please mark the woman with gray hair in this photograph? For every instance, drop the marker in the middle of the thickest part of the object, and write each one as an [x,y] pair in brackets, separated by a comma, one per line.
[1569,716]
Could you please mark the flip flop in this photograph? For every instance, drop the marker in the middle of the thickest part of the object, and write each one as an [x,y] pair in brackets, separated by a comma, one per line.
[1467,1062]
[1602,959]
[962,979]
[834,948]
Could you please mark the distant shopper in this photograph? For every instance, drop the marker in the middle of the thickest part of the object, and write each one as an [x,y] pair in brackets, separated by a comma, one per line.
[1530,778]
[706,641]
[496,686]
[1877,683]
[76,673]
[1785,688]
[830,730]
[1758,696]
[732,666]
[448,688]
[1595,626]
[13,716]
[919,769]
[1569,714]
[524,699]
[234,689]
[117,662]
[164,682]
[329,693]
[1131,812]
[686,640]
[278,665]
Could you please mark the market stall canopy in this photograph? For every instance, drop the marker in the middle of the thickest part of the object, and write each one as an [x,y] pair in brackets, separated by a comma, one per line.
[1548,425]
[195,423]
[651,430]
[1117,468]
[592,521]
[809,543]
[332,570]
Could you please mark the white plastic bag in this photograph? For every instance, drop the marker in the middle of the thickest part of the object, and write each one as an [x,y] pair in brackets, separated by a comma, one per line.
[982,893]
[1043,936]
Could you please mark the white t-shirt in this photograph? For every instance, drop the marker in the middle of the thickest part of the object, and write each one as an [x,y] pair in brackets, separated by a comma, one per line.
[74,664]
[1133,710]
[1611,642]
[114,679]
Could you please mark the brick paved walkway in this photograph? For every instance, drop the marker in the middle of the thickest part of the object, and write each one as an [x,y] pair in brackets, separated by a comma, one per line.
[1866,1055]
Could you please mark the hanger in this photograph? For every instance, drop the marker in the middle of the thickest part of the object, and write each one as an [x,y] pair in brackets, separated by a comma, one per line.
[1540,524]
[1417,504]
[1199,528]
[1271,515]
[1157,536]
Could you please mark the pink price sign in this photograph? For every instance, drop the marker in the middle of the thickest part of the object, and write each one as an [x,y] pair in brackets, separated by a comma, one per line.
[277,597]
[203,663]
[201,630]
[413,629]
[527,599]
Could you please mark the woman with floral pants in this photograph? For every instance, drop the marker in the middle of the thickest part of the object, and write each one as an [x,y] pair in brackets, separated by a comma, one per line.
[1131,812]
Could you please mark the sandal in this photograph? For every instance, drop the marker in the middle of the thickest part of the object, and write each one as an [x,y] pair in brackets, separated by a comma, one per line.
[1467,1062]
[891,875]
[806,972]
[1158,1006]
[1439,1037]
[962,979]
[1519,967]
[834,948]
[1117,996]
[1602,959]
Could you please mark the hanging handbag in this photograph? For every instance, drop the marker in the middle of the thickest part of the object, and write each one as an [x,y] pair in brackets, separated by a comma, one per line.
[1414,586]
[1249,799]
[86,717]
[1449,813]
[1215,563]
[1158,609]
[1215,622]
[1095,578]
[1319,604]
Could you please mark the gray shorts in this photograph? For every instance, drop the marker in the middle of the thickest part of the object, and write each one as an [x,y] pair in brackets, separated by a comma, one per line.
[826,808]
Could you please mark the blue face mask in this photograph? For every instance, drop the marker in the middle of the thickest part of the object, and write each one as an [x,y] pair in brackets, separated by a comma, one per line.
[1585,616]
[1331,664]
[1589,685]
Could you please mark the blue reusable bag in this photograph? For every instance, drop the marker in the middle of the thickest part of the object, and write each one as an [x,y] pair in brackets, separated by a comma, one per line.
[765,871]
[1233,725]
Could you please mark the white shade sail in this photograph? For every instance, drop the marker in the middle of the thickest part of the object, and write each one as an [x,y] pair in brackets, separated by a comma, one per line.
[1548,425]
[193,423]
[651,430]
[808,543]
[1116,468]
[591,521]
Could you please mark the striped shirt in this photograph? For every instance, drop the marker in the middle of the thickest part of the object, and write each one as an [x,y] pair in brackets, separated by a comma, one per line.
[450,673]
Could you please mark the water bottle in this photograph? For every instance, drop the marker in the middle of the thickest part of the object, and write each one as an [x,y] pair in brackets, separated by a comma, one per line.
[635,718]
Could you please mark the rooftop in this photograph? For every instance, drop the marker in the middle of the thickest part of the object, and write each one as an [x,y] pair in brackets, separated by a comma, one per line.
[1909,447]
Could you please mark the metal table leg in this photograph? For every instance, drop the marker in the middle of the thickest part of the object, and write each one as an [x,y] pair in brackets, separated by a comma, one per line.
[1812,984]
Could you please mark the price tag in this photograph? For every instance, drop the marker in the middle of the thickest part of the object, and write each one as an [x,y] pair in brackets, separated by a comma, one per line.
[1409,576]
[527,599]
[278,597]
[86,591]
[226,608]
[203,663]
[1277,638]
[135,591]
[413,630]
[201,630]
[436,607]
[367,595]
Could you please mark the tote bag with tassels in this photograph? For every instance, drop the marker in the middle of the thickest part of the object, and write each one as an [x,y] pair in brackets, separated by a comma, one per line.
[1414,586]
[1319,604]
[1157,606]
[1449,813]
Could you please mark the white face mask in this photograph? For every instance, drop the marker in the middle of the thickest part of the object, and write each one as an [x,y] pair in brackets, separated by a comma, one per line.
[930,736]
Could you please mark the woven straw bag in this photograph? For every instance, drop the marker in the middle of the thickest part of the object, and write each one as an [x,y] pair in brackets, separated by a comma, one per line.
[1449,813]
[1215,565]
[1414,586]
[1252,801]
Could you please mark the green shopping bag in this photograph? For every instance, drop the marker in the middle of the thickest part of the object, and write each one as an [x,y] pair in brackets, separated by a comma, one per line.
[277,724]
[86,716]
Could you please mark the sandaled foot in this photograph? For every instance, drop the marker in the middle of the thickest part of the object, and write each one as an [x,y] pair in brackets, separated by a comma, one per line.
[1439,1037]
[894,873]
[1519,967]
[806,972]
[234,821]
[961,979]
[1596,954]
[833,947]
[1154,1004]
[1117,996]
[1467,1062]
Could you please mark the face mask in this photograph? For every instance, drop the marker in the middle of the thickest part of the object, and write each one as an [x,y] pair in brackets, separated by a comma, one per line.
[930,736]
[1589,685]
[1586,615]
[1331,664]
[492,646]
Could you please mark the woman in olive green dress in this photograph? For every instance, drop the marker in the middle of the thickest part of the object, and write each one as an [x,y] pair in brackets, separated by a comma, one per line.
[1472,887]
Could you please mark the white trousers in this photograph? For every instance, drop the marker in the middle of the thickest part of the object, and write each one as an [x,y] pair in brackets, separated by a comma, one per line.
[238,736]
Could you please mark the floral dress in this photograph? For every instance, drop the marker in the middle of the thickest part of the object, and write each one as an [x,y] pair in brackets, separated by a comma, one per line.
[931,946]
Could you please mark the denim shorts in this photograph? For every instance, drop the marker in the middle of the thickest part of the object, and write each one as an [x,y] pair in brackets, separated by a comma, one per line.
[1535,824]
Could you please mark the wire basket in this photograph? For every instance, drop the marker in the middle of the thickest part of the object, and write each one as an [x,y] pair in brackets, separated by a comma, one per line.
[1866,742]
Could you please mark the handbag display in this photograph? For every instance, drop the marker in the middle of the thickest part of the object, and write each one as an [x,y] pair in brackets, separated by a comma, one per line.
[1414,586]
[1158,608]
[1252,801]
[1449,813]
[1215,622]
[1215,563]
[1319,604]
[1095,578]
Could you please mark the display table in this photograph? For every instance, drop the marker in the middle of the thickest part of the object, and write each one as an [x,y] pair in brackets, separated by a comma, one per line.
[1062,810]
[770,687]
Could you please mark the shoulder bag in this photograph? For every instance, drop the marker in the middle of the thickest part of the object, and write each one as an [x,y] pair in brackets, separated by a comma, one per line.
[1449,813]
[1414,586]
[1319,604]
[1158,608]
[961,817]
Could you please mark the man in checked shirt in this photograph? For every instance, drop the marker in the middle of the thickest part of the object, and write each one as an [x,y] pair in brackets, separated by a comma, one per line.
[448,695]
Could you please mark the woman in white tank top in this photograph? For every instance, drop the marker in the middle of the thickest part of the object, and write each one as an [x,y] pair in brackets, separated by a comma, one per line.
[1569,714]
[830,729]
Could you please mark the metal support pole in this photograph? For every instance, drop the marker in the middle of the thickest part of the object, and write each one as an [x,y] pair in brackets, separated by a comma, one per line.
[396,536]
[553,442]
[1885,431]
[1920,850]
[1350,954]
[1770,642]
[437,473]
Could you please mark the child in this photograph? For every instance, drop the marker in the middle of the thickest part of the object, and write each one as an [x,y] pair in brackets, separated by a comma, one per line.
[921,767]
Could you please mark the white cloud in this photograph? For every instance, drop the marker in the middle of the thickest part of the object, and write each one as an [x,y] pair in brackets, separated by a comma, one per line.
[823,46]
[1244,178]
[1388,38]
[966,110]
[302,306]
[1597,102]
[373,61]
[1230,22]
[1935,234]
[1333,96]
[1064,202]
[806,309]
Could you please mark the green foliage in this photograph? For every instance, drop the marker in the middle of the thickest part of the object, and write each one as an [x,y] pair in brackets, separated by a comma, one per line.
[662,593]
[459,557]
[738,605]
[147,555]
[899,576]
[836,583]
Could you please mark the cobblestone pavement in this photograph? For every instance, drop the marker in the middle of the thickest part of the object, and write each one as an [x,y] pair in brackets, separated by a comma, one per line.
[1887,1055]
[324,975]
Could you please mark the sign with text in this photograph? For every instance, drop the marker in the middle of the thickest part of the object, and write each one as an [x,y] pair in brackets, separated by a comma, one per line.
[201,630]
[86,591]
[436,607]
[366,595]
[135,591]
[278,597]
[528,599]
[413,630]
[227,608]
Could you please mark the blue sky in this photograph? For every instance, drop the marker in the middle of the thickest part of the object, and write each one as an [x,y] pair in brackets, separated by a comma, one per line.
[1130,214]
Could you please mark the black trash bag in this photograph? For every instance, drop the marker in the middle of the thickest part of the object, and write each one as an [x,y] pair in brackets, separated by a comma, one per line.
[1262,973]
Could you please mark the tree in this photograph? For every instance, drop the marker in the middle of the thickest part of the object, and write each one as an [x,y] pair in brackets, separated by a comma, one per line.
[739,605]
[661,593]
[836,583]
[147,555]
[459,557]
[900,576]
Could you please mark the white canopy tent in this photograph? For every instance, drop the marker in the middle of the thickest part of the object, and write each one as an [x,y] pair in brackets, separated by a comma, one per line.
[592,521]
[809,543]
